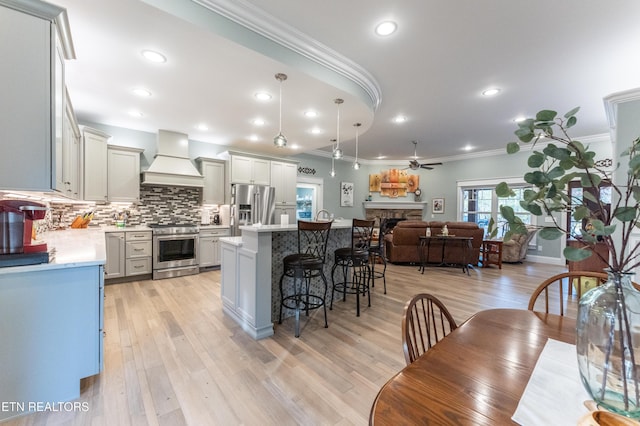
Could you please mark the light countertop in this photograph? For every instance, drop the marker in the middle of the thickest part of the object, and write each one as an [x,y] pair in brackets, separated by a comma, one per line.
[73,248]
[235,241]
[337,224]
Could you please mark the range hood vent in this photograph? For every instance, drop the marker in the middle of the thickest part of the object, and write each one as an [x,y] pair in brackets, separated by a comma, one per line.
[171,165]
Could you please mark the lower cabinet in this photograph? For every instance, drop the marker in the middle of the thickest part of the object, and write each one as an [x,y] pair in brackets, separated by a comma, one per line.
[209,250]
[138,253]
[114,268]
[52,333]
[238,285]
[129,253]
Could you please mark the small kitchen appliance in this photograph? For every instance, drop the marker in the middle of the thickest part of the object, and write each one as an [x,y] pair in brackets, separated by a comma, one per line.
[216,219]
[17,245]
[16,226]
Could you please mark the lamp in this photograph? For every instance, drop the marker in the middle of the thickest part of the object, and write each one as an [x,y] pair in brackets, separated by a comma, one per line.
[333,170]
[356,165]
[280,141]
[337,152]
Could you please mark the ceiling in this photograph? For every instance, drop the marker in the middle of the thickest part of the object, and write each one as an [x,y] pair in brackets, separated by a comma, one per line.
[549,54]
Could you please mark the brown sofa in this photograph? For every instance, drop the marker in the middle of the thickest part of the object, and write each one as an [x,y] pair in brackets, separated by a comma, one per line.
[401,246]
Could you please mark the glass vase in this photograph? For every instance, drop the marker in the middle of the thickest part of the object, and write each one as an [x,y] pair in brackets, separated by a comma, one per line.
[608,336]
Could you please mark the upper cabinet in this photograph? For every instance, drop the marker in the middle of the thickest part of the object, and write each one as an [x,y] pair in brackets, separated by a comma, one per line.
[94,147]
[123,174]
[283,179]
[67,154]
[250,170]
[34,42]
[214,188]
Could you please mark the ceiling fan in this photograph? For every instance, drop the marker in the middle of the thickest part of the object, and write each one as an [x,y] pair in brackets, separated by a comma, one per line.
[415,164]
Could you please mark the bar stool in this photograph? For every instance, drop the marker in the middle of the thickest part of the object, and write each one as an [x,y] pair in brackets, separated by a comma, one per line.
[356,258]
[376,251]
[308,263]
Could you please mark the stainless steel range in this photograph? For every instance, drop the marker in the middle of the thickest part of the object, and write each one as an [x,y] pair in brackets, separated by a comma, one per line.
[175,250]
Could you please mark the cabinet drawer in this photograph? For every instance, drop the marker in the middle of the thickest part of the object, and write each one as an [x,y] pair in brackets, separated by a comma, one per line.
[138,235]
[138,266]
[138,249]
[214,233]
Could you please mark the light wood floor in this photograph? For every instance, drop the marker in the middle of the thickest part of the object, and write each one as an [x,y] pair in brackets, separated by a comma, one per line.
[172,357]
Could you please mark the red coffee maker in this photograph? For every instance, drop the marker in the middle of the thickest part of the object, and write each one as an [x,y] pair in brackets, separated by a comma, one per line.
[16,226]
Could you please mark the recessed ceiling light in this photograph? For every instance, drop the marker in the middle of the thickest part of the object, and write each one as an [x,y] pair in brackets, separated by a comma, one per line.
[258,122]
[386,28]
[310,114]
[381,157]
[294,146]
[142,92]
[154,56]
[491,92]
[467,148]
[137,114]
[316,131]
[400,119]
[519,119]
[262,96]
[202,127]
[254,138]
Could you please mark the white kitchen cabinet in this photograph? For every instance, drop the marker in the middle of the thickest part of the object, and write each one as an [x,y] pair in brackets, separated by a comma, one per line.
[238,278]
[283,178]
[123,174]
[250,170]
[33,47]
[214,188]
[115,248]
[209,253]
[94,147]
[285,209]
[247,281]
[228,275]
[138,253]
[68,162]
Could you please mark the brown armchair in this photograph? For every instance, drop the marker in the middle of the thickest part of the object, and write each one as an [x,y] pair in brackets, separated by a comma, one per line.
[514,250]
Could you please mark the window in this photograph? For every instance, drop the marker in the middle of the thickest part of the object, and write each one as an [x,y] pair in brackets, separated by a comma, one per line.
[480,203]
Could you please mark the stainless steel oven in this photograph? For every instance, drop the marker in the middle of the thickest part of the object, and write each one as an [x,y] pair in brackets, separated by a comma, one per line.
[175,250]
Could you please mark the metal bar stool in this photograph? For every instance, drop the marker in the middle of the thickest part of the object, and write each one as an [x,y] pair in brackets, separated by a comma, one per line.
[356,258]
[303,266]
[376,252]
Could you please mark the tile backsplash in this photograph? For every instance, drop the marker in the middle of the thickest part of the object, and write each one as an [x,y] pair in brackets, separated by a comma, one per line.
[158,204]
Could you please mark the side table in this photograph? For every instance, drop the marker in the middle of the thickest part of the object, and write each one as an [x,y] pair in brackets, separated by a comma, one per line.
[492,253]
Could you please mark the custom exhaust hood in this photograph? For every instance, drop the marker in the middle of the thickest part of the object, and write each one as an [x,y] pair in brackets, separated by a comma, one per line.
[171,165]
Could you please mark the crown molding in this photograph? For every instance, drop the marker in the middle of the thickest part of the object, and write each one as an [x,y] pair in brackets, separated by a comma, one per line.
[49,12]
[599,138]
[257,20]
[612,101]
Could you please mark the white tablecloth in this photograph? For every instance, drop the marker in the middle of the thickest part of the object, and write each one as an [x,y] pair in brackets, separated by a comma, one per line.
[554,394]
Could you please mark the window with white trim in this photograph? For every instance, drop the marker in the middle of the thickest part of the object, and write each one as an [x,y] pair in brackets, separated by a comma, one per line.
[479,203]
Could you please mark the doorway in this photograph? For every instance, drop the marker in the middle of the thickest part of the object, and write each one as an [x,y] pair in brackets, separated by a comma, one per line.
[309,197]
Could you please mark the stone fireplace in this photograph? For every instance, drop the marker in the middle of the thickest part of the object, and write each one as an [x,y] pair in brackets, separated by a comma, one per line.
[394,209]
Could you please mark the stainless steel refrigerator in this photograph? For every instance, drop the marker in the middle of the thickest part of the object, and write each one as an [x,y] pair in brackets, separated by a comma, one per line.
[251,204]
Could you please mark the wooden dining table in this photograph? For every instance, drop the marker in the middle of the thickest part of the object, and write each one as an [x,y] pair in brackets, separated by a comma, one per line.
[474,376]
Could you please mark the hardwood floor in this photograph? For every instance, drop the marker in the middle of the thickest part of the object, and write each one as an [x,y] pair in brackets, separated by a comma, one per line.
[172,357]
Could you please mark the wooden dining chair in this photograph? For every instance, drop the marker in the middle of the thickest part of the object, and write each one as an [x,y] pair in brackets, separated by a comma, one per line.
[557,290]
[425,322]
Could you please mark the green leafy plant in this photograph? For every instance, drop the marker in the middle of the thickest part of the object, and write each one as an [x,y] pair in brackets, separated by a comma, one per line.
[561,161]
[492,229]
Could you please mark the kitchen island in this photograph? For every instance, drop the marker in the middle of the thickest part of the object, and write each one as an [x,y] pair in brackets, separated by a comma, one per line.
[251,269]
[51,320]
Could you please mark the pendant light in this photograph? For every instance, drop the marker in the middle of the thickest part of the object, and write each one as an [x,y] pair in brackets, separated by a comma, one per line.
[280,141]
[356,165]
[333,170]
[337,152]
